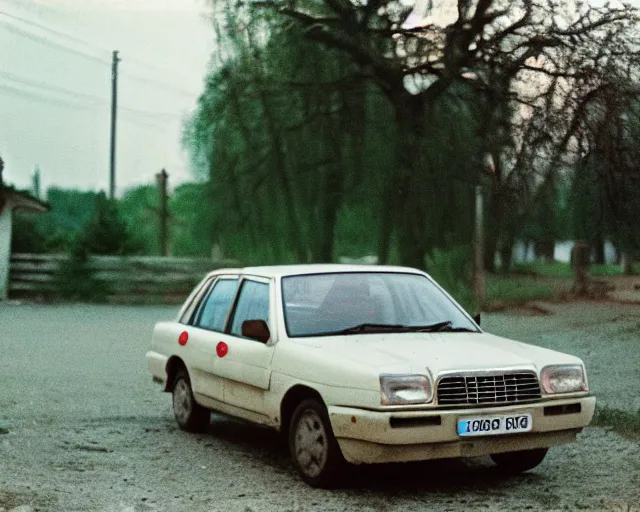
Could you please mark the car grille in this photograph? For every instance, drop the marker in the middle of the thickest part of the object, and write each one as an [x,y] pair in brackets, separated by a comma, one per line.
[488,389]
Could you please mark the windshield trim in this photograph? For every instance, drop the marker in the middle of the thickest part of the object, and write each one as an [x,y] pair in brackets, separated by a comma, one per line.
[329,334]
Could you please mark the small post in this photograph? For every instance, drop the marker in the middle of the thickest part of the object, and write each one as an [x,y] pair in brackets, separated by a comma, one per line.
[479,285]
[36,182]
[162,178]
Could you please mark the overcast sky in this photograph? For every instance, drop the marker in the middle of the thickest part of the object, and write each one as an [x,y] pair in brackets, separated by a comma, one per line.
[55,90]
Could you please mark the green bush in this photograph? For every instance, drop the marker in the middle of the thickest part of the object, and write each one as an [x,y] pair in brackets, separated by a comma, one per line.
[106,234]
[75,279]
[26,235]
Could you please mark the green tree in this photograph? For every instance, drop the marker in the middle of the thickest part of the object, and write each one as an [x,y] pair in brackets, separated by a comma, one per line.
[139,208]
[107,233]
[192,229]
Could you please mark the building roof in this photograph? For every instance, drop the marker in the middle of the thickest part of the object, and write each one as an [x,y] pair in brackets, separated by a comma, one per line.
[21,200]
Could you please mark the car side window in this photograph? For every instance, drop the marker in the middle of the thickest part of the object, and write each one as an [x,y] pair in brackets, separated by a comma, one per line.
[253,304]
[213,309]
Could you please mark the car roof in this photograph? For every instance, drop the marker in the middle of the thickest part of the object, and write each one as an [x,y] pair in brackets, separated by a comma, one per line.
[293,270]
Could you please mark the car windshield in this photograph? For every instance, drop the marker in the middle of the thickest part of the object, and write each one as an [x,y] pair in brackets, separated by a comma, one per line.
[368,302]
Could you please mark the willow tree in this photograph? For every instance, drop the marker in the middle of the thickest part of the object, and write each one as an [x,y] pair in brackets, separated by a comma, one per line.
[489,45]
[281,129]
[287,122]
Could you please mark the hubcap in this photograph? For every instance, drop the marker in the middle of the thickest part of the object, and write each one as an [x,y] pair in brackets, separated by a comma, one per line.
[182,401]
[310,444]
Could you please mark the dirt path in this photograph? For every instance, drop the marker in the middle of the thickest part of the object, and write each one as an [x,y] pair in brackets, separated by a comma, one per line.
[82,428]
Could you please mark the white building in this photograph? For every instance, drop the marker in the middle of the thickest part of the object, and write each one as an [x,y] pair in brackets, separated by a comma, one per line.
[10,201]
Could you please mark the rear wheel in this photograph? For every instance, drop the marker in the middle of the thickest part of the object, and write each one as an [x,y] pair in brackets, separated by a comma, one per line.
[517,462]
[313,447]
[189,415]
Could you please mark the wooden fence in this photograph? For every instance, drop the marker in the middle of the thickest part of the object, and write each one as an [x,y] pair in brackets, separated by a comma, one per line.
[130,279]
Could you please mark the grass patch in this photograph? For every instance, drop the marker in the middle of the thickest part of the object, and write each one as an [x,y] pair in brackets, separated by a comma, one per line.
[558,269]
[623,422]
[510,290]
[605,270]
[543,269]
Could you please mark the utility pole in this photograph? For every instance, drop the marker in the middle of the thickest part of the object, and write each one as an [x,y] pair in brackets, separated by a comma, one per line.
[114,111]
[162,178]
[36,182]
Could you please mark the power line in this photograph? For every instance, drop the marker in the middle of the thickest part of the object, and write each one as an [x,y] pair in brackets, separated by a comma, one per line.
[74,106]
[75,39]
[49,43]
[54,31]
[39,97]
[67,36]
[52,88]
[87,97]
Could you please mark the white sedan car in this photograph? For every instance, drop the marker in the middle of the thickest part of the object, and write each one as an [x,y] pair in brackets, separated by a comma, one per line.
[364,364]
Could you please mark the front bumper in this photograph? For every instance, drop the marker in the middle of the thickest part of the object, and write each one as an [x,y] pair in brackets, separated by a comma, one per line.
[368,436]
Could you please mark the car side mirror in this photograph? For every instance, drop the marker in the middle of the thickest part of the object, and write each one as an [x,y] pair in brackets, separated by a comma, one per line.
[476,318]
[256,330]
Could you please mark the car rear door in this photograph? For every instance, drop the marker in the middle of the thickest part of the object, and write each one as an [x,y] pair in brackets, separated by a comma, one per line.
[245,364]
[205,325]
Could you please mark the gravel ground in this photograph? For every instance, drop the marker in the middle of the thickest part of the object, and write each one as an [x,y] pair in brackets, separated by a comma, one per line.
[82,428]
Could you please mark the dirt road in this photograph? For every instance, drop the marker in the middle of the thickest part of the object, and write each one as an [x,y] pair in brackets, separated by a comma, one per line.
[83,428]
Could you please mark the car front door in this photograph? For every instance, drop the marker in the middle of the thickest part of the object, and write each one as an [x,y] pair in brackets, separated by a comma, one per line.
[245,364]
[206,325]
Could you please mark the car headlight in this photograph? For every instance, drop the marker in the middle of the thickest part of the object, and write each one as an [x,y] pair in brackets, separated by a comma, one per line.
[563,379]
[405,389]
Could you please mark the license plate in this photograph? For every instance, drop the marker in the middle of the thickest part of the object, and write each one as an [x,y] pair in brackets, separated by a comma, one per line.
[495,425]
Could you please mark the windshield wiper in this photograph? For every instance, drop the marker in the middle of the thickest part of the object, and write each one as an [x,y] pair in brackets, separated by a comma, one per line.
[446,326]
[372,328]
[367,327]
[437,327]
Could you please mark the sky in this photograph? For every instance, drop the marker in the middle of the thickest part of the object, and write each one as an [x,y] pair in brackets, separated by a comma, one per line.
[55,89]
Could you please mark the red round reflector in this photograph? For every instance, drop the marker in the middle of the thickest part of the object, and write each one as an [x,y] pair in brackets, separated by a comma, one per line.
[222,349]
[184,337]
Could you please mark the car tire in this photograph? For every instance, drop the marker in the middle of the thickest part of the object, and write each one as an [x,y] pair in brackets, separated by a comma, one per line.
[190,415]
[313,447]
[517,462]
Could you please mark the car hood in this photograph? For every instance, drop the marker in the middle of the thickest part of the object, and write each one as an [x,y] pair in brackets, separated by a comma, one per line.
[440,352]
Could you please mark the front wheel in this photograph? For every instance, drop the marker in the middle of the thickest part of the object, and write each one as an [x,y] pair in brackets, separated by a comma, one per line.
[517,462]
[189,415]
[313,447]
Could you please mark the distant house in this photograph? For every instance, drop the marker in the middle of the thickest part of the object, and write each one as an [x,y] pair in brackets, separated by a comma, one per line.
[12,200]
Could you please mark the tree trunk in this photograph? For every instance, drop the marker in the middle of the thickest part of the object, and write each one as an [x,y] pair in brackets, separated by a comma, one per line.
[545,249]
[490,250]
[412,247]
[328,215]
[386,227]
[598,246]
[506,254]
